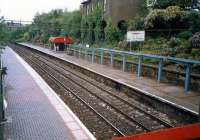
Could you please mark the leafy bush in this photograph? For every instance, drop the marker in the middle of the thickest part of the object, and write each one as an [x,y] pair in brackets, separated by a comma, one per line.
[181,3]
[92,26]
[4,36]
[136,24]
[112,33]
[172,17]
[173,42]
[185,34]
[99,31]
[195,40]
[196,53]
[193,21]
[84,27]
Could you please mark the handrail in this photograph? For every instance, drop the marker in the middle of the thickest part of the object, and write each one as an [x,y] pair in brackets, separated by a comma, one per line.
[2,100]
[161,59]
[1,94]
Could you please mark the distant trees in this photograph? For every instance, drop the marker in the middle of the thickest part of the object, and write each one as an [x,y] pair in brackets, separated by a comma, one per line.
[54,23]
[4,35]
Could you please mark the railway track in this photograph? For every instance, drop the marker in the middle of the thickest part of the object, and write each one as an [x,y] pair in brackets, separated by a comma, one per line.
[123,116]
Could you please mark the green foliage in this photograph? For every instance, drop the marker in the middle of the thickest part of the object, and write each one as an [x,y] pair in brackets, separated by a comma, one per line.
[55,23]
[72,24]
[4,35]
[193,21]
[196,53]
[165,18]
[185,34]
[136,24]
[20,34]
[96,15]
[95,24]
[173,42]
[84,27]
[112,33]
[99,31]
[181,3]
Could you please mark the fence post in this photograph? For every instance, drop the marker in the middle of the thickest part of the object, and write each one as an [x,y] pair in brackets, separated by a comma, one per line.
[74,53]
[93,53]
[80,49]
[124,63]
[187,77]
[101,57]
[111,59]
[160,65]
[86,54]
[140,65]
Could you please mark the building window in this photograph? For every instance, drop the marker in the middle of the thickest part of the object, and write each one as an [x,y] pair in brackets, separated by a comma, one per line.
[104,7]
[87,9]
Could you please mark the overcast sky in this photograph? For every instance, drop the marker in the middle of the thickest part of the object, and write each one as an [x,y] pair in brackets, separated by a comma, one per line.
[26,9]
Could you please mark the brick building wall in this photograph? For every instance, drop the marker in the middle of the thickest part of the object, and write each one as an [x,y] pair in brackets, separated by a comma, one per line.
[116,10]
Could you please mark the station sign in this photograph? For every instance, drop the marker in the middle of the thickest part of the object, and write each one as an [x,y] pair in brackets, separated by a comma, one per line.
[135,36]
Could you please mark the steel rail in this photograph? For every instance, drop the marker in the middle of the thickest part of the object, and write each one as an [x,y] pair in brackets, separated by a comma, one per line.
[165,123]
[127,116]
[79,98]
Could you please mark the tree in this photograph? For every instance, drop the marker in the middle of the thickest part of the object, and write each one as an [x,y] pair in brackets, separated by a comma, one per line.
[4,34]
[185,4]
[112,33]
[170,18]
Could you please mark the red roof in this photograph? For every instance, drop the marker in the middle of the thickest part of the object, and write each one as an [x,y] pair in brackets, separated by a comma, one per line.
[188,132]
[63,40]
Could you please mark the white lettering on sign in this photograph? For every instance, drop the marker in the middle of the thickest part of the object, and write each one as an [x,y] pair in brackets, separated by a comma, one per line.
[133,36]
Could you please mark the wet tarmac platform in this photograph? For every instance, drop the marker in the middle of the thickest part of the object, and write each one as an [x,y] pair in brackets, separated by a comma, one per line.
[34,110]
[169,93]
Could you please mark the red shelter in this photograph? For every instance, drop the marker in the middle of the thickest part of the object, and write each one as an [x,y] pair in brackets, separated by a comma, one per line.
[59,43]
[62,40]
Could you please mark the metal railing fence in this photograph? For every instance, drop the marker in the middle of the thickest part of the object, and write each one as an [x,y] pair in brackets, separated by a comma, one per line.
[141,57]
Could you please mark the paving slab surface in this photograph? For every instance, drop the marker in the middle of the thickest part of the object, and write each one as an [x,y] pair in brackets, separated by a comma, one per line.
[30,113]
[169,92]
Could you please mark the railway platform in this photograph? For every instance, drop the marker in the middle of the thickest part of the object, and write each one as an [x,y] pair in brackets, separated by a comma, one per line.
[172,94]
[34,110]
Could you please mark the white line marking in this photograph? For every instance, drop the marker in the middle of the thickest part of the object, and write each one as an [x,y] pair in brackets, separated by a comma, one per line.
[48,90]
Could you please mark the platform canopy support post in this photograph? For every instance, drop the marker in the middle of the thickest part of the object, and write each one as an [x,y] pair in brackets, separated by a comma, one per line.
[187,77]
[160,66]
[124,62]
[140,66]
[101,57]
[93,53]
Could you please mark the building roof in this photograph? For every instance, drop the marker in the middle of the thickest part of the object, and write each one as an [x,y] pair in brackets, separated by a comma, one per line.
[63,40]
